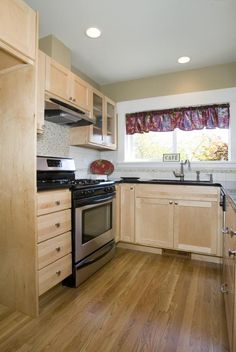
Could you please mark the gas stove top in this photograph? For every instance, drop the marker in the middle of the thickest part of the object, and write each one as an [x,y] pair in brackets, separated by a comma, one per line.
[55,173]
[71,184]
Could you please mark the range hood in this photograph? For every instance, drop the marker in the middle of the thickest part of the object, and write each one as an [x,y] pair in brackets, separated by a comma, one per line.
[57,111]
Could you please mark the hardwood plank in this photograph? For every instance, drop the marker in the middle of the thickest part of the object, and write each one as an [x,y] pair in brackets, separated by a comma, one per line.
[137,302]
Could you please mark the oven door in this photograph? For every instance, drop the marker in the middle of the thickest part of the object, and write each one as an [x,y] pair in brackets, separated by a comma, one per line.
[93,227]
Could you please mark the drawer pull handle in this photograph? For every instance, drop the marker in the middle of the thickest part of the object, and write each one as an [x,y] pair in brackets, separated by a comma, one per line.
[58,272]
[232,253]
[57,202]
[58,249]
[57,224]
[170,202]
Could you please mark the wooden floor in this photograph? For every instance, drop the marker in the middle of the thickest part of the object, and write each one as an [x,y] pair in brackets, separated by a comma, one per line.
[137,302]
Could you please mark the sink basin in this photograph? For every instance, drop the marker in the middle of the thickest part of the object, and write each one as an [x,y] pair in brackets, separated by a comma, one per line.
[171,181]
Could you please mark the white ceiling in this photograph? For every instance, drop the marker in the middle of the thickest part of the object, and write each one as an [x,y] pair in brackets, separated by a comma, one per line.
[141,37]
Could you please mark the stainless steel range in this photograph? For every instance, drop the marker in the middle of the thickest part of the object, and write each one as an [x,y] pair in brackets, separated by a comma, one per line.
[93,242]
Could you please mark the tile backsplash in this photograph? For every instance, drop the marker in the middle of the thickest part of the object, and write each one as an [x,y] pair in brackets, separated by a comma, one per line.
[55,142]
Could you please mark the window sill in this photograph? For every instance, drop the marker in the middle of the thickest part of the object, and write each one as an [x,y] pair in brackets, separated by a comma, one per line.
[216,165]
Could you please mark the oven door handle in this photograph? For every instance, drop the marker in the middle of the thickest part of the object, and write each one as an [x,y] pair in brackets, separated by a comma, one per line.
[88,261]
[103,199]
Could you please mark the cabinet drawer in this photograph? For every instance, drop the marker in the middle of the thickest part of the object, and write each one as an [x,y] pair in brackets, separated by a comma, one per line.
[177,192]
[51,225]
[51,250]
[50,201]
[54,273]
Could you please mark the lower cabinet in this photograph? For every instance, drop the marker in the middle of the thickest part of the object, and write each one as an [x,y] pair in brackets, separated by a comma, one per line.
[196,226]
[54,238]
[229,277]
[154,222]
[127,212]
[169,216]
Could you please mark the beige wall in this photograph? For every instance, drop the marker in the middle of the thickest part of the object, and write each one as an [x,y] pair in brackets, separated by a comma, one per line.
[208,78]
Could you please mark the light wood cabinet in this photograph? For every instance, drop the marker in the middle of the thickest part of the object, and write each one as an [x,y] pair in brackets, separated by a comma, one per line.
[169,216]
[102,134]
[127,199]
[196,226]
[62,83]
[79,92]
[40,87]
[54,237]
[116,216]
[18,31]
[49,202]
[154,222]
[54,273]
[229,273]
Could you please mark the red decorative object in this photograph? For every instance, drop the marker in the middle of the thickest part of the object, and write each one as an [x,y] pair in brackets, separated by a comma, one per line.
[101,167]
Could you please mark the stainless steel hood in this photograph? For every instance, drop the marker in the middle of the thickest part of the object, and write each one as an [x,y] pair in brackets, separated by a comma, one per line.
[62,113]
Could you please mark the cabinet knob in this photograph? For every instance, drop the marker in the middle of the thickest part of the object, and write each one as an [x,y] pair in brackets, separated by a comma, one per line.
[70,98]
[232,253]
[58,249]
[58,272]
[131,188]
[223,288]
[57,224]
[225,231]
[176,203]
[57,202]
[74,100]
[232,232]
[170,202]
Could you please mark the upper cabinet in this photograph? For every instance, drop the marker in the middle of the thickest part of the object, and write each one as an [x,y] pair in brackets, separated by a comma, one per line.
[18,33]
[57,81]
[102,134]
[62,83]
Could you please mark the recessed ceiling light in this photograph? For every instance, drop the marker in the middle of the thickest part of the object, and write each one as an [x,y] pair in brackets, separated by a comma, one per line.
[183,59]
[93,32]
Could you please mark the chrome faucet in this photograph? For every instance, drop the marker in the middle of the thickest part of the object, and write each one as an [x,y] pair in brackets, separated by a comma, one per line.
[180,173]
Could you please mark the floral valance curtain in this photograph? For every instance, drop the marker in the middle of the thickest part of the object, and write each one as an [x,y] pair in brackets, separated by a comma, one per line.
[186,119]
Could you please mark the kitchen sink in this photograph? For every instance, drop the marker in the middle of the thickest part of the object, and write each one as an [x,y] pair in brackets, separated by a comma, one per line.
[173,181]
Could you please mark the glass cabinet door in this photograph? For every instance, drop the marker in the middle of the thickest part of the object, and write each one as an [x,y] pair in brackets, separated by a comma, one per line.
[110,128]
[97,127]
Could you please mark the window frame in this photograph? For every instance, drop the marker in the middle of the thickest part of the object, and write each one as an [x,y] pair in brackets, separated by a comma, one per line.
[178,100]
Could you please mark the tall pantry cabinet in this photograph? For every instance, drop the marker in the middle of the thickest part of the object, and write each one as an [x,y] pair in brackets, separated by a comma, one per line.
[18,52]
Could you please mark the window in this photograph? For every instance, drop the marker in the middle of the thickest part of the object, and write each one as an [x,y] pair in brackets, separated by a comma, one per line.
[198,133]
[196,145]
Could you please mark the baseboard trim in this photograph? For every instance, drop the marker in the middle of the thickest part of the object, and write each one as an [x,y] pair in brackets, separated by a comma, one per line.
[147,249]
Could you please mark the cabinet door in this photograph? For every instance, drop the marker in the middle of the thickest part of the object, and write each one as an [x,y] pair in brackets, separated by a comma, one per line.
[127,213]
[110,122]
[57,79]
[40,86]
[80,93]
[154,222]
[18,26]
[196,226]
[97,129]
[229,274]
